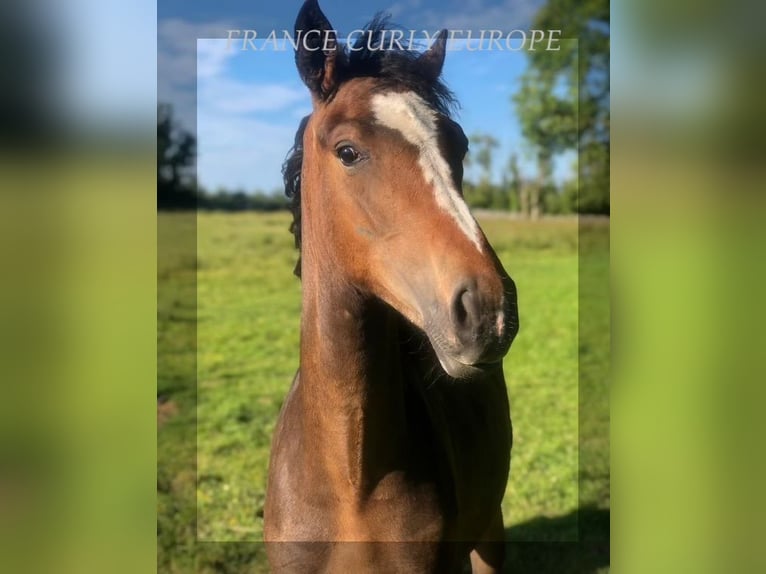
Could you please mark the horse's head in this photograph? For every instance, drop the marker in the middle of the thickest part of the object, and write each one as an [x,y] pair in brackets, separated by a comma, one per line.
[381,202]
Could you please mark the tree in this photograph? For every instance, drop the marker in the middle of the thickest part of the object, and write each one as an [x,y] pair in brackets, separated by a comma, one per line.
[176,151]
[548,123]
[484,193]
[514,183]
[483,155]
[563,99]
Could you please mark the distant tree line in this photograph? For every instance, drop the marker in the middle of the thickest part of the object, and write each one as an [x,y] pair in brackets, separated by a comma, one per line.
[177,187]
[224,200]
[529,197]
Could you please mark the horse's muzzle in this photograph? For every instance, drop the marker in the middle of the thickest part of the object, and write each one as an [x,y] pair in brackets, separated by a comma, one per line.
[477,330]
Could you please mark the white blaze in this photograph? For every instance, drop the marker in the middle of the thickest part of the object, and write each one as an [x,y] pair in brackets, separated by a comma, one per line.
[408,114]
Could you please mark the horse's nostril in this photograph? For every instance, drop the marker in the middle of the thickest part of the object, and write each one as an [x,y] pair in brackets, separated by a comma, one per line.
[465,311]
[480,331]
[459,311]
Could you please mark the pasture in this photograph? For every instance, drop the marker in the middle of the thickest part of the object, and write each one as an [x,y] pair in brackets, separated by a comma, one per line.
[248,312]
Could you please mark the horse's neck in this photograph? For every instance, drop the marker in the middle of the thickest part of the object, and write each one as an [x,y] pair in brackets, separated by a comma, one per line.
[352,382]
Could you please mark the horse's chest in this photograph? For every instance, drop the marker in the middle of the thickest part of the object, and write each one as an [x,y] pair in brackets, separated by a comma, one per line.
[398,510]
[400,527]
[395,509]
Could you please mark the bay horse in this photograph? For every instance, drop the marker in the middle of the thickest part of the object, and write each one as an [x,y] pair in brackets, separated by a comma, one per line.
[392,448]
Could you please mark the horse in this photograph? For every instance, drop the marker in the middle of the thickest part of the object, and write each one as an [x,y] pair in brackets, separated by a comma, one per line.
[391,452]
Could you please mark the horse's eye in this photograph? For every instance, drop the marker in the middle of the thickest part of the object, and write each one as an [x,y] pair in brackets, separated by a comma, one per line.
[348,155]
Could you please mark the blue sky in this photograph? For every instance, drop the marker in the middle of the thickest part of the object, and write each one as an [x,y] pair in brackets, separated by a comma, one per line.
[248,104]
[344,15]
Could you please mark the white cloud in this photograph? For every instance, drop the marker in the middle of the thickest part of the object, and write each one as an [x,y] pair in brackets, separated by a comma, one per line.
[244,128]
[229,96]
[241,154]
[212,57]
[178,51]
[178,63]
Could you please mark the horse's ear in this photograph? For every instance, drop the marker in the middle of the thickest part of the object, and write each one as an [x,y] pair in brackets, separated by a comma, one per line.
[432,60]
[317,56]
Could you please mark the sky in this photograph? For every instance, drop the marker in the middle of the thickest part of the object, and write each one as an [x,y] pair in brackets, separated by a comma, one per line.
[268,14]
[248,103]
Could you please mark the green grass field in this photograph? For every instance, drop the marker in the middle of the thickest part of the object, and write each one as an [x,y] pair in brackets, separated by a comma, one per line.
[248,305]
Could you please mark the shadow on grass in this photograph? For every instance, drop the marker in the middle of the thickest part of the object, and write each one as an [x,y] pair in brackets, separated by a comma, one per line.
[533,546]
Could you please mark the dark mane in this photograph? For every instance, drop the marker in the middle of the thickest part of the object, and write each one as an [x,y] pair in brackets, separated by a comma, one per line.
[393,68]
